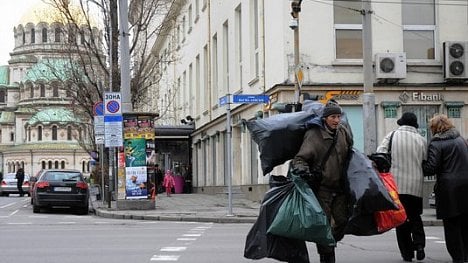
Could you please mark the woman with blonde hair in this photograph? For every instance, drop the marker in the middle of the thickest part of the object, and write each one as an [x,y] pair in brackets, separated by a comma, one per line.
[447,158]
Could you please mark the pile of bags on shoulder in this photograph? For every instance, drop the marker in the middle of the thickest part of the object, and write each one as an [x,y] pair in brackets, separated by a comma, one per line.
[290,213]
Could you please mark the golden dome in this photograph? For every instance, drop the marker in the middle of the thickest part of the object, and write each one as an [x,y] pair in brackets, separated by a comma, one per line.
[46,11]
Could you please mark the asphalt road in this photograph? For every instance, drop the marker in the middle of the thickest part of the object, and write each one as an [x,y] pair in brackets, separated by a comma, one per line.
[60,236]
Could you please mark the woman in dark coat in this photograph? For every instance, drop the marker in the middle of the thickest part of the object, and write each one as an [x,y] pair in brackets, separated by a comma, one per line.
[447,158]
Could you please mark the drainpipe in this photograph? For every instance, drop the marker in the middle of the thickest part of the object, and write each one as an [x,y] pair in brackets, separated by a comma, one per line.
[262,37]
[210,84]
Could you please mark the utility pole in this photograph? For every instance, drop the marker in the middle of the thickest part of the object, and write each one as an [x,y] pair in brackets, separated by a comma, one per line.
[294,25]
[368,104]
[124,58]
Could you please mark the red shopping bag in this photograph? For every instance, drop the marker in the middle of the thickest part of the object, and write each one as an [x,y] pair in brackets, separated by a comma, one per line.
[388,219]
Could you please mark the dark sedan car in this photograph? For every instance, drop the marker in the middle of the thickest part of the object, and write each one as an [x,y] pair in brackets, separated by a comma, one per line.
[60,188]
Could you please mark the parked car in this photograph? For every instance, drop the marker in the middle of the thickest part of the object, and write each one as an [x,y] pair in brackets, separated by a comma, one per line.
[431,200]
[9,184]
[60,188]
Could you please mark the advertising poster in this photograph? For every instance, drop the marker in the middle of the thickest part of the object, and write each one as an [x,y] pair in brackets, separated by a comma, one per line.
[121,175]
[135,183]
[135,152]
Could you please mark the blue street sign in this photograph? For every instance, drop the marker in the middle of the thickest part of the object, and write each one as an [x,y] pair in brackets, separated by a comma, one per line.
[224,100]
[243,98]
[113,118]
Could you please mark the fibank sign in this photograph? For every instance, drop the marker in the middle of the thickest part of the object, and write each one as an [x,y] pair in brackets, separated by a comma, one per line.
[420,96]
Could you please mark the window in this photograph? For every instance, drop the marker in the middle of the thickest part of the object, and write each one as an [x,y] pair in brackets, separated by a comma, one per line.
[348,29]
[197,10]
[42,89]
[254,42]
[238,43]
[190,88]
[206,82]
[390,109]
[29,134]
[226,56]
[62,165]
[33,35]
[2,96]
[39,133]
[55,90]
[197,85]
[214,65]
[190,19]
[418,28]
[69,133]
[44,35]
[454,108]
[71,35]
[43,165]
[24,38]
[56,164]
[57,34]
[12,136]
[50,164]
[54,133]
[31,91]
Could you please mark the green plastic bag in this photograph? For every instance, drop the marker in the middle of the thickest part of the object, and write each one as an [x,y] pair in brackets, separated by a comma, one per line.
[301,216]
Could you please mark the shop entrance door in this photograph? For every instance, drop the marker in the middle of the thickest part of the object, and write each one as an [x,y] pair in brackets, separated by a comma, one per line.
[424,114]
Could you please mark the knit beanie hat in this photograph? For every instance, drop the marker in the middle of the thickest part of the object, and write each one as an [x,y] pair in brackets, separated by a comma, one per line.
[331,108]
[408,118]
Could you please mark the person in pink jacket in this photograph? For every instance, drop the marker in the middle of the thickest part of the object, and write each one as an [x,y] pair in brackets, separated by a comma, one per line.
[168,182]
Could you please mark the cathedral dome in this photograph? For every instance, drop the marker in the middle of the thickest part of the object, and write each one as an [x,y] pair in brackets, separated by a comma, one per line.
[48,12]
[54,115]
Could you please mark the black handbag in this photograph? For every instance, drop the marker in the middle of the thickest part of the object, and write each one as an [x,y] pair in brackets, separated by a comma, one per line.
[383,161]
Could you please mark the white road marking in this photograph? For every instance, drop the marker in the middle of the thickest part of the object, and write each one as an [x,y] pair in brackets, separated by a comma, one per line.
[191,235]
[36,216]
[186,239]
[173,249]
[439,242]
[14,212]
[432,238]
[66,223]
[26,223]
[165,258]
[7,205]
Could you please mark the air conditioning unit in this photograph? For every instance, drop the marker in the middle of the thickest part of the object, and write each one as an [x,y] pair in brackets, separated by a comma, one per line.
[390,65]
[455,60]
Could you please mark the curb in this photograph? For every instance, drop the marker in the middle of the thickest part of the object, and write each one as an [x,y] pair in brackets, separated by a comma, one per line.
[208,219]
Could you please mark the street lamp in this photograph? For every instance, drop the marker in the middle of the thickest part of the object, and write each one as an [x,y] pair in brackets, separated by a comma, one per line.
[294,25]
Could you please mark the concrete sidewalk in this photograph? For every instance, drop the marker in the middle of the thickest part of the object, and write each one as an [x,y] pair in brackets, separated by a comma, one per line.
[205,208]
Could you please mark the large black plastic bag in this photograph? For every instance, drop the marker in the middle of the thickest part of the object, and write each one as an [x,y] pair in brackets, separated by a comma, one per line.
[259,244]
[279,137]
[367,195]
[301,216]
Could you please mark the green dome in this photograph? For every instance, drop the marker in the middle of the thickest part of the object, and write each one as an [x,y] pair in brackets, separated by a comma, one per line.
[50,69]
[56,115]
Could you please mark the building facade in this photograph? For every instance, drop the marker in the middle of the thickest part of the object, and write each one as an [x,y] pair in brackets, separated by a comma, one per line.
[39,128]
[217,48]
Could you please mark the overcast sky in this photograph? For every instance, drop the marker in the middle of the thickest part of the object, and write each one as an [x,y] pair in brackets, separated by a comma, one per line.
[11,12]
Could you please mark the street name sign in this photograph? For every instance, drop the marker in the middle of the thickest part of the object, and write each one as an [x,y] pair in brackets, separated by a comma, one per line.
[250,99]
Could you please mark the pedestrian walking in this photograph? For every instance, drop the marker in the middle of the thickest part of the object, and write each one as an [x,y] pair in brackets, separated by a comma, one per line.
[169,182]
[408,151]
[321,161]
[447,159]
[20,180]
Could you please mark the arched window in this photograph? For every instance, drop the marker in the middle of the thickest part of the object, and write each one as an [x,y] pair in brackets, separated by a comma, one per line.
[62,165]
[82,38]
[55,90]
[43,164]
[50,164]
[42,90]
[44,35]
[2,96]
[54,133]
[31,91]
[39,133]
[71,35]
[83,166]
[56,164]
[69,133]
[80,134]
[57,34]
[24,37]
[33,35]
[29,134]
